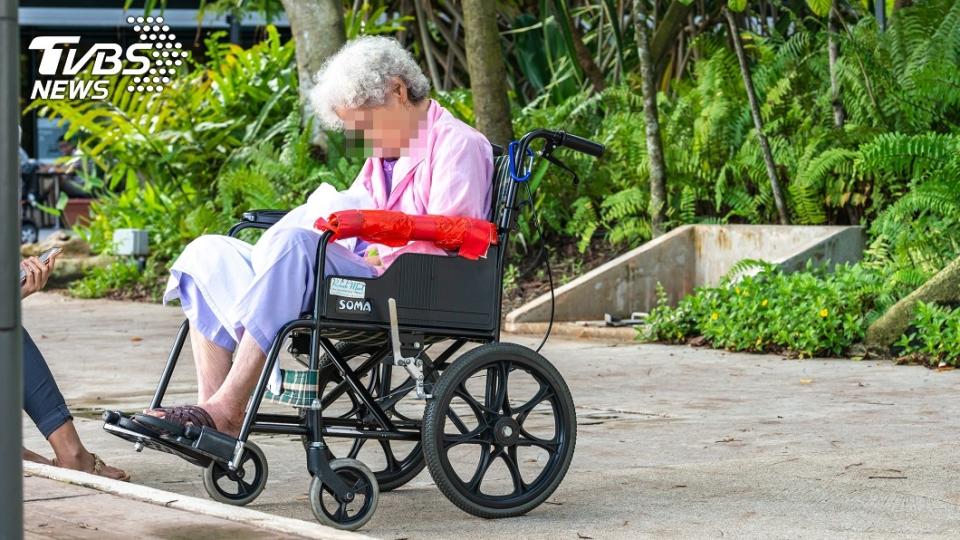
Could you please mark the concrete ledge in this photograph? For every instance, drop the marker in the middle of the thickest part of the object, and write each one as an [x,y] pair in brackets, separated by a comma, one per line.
[685,258]
[194,505]
[575,329]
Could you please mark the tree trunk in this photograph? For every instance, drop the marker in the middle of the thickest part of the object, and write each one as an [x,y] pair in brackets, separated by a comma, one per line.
[317,29]
[757,120]
[833,53]
[665,34]
[487,71]
[585,59]
[427,42]
[655,161]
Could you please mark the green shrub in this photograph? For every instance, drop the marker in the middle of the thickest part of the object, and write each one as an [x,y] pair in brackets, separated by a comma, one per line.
[101,281]
[665,323]
[934,336]
[807,313]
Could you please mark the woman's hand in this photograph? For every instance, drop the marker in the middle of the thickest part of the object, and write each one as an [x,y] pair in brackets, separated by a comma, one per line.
[37,274]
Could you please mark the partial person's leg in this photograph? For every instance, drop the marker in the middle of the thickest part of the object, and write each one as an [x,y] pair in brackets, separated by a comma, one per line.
[207,278]
[46,407]
[212,362]
[278,295]
[228,405]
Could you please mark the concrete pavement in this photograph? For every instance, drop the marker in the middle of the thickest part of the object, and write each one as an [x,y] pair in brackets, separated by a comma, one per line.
[673,442]
[63,504]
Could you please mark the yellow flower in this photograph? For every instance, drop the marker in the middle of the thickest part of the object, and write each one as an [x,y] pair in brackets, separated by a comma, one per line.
[714,316]
[759,341]
[764,303]
[824,313]
[736,290]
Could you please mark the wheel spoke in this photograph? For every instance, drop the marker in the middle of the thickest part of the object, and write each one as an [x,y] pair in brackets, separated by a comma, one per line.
[386,370]
[244,488]
[355,448]
[392,463]
[526,439]
[457,422]
[545,393]
[486,459]
[473,437]
[475,406]
[510,458]
[501,401]
[394,396]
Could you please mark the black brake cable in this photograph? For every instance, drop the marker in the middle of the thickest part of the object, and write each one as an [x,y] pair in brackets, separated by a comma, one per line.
[546,259]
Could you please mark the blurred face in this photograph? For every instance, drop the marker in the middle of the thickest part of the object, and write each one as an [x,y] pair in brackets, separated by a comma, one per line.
[385,130]
[65,147]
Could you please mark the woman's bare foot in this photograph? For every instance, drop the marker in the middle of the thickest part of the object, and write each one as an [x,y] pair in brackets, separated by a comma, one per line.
[90,463]
[29,455]
[71,454]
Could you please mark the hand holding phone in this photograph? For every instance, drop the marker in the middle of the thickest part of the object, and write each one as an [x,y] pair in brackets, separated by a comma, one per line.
[44,257]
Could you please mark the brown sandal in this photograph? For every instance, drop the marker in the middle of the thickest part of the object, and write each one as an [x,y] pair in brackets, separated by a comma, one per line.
[98,466]
[186,415]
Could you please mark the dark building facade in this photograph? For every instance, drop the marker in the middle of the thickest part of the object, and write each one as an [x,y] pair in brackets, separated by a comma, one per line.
[105,21]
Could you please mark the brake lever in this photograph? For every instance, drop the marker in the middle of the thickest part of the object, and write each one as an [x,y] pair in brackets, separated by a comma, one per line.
[558,163]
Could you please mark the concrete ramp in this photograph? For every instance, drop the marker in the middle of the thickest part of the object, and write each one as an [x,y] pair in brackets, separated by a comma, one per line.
[683,259]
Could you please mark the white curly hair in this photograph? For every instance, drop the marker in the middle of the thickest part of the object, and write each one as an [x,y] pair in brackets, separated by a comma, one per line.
[359,75]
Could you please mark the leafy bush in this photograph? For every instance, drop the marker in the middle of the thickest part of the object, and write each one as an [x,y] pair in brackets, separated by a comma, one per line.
[807,313]
[222,138]
[934,336]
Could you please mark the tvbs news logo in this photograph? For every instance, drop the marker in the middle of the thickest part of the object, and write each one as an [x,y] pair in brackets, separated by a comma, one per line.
[152,62]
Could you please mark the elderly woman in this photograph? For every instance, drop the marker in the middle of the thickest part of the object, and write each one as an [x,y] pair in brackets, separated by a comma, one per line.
[237,296]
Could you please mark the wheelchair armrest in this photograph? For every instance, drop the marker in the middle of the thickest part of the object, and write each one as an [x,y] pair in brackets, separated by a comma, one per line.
[264,217]
[257,219]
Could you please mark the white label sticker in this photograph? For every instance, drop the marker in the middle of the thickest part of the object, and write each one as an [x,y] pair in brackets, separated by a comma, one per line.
[347,288]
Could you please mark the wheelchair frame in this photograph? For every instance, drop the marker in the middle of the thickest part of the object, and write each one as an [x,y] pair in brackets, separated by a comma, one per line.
[206,447]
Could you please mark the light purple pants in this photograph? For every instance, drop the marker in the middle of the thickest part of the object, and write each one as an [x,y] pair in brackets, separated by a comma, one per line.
[228,287]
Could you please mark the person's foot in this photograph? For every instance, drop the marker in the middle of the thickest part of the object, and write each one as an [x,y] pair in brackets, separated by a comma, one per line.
[209,414]
[29,455]
[91,463]
[227,419]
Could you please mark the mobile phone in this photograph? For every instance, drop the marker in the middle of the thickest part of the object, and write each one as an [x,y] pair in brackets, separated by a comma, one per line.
[44,257]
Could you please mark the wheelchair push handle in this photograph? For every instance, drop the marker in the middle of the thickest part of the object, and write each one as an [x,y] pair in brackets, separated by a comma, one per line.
[556,139]
[579,144]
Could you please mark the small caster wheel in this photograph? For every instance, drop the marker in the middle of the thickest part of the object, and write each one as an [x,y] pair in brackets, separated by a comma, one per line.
[239,487]
[346,515]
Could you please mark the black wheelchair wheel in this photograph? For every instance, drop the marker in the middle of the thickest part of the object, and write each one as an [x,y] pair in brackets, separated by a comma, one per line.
[394,463]
[500,431]
[239,487]
[346,515]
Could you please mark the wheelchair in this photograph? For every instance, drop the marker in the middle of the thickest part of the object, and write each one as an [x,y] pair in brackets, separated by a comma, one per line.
[498,428]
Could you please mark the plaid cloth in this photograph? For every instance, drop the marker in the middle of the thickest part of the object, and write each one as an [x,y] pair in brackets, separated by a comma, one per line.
[298,388]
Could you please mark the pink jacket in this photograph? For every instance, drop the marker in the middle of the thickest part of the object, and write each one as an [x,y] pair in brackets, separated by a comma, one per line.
[447,171]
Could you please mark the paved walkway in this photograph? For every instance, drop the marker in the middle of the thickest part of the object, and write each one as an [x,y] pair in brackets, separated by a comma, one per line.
[673,442]
[54,509]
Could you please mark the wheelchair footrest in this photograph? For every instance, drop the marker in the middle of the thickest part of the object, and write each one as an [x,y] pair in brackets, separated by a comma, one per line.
[199,446]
